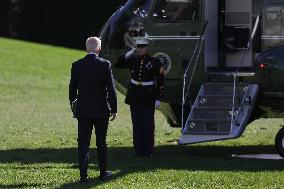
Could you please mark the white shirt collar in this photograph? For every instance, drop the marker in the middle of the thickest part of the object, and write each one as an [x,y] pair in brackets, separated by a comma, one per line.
[93,53]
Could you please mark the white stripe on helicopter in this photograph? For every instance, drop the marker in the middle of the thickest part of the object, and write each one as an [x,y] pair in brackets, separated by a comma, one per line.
[272,37]
[197,37]
[188,37]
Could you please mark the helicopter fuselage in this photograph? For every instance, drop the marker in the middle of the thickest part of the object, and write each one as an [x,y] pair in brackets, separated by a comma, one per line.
[175,27]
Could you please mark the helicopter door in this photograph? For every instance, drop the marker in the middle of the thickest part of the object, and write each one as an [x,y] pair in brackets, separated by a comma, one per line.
[229,30]
[236,32]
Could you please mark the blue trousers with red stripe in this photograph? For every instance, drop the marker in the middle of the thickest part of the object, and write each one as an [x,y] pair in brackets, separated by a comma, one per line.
[143,129]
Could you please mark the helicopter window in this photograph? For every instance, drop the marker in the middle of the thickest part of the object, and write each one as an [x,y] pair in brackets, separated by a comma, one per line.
[272,15]
[176,10]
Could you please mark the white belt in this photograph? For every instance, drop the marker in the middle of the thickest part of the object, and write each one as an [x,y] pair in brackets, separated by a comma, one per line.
[148,83]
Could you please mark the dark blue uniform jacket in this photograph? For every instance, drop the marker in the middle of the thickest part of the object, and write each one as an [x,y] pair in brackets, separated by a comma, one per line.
[143,69]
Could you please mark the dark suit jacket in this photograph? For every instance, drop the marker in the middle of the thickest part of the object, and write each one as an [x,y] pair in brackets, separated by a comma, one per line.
[92,84]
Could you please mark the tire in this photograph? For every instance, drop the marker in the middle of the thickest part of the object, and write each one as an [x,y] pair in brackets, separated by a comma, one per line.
[279,142]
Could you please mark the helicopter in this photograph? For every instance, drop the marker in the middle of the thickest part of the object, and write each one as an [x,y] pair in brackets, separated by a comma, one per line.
[223,61]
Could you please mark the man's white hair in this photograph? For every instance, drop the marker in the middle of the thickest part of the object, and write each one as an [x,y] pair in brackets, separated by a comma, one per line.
[93,44]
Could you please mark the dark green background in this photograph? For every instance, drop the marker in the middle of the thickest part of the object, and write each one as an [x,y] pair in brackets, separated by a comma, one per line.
[59,22]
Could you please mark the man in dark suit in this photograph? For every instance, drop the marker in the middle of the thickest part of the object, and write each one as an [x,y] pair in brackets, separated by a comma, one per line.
[92,85]
[143,95]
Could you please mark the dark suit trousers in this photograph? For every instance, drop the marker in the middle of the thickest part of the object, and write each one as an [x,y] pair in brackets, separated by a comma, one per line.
[85,127]
[143,129]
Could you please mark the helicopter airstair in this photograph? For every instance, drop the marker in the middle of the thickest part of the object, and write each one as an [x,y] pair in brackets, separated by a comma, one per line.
[221,110]
[216,116]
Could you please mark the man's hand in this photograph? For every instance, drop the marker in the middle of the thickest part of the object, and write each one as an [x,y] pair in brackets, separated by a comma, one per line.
[71,108]
[157,103]
[113,116]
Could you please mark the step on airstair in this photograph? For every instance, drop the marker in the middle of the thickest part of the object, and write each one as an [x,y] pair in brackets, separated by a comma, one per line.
[217,114]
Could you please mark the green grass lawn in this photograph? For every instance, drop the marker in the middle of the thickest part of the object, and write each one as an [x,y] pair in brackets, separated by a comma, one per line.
[38,136]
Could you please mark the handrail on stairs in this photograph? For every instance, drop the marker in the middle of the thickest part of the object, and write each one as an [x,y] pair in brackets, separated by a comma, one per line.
[235,74]
[186,79]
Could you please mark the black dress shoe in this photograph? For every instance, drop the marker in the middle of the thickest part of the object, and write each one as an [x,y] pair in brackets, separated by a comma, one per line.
[136,155]
[83,180]
[106,176]
[147,155]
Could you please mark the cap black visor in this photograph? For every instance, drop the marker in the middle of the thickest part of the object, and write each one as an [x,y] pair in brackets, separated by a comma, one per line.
[142,45]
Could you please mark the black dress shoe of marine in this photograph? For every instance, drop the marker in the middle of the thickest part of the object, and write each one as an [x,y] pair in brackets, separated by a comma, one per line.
[105,176]
[135,155]
[83,180]
[147,155]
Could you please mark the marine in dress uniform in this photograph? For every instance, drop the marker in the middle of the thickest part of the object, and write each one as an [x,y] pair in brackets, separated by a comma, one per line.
[143,95]
[92,85]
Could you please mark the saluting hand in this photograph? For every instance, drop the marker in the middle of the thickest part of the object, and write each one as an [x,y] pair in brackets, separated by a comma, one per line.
[129,54]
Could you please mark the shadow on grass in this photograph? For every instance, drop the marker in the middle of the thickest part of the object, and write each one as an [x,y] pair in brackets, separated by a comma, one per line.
[23,185]
[192,158]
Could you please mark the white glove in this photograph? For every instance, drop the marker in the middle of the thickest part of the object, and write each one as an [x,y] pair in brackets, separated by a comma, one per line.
[157,103]
[129,54]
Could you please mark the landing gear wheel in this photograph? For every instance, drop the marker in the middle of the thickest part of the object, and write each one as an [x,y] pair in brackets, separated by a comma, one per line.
[279,142]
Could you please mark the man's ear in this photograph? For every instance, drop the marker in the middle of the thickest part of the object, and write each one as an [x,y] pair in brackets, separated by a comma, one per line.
[98,50]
